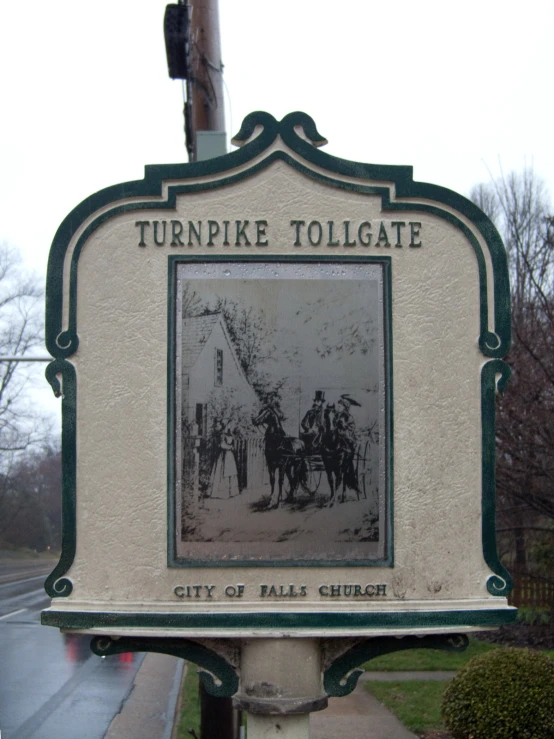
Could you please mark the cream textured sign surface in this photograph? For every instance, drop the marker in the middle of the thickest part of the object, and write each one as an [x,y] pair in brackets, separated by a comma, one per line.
[278,374]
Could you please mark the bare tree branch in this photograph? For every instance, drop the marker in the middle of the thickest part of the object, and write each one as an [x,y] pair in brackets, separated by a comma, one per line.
[525,418]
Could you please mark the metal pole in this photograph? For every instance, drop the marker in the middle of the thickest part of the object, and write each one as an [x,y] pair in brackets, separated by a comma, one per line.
[278,727]
[218,720]
[26,359]
[280,685]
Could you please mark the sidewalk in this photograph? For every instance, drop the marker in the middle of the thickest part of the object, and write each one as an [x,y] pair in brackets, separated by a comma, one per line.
[393,677]
[361,716]
[149,711]
[357,716]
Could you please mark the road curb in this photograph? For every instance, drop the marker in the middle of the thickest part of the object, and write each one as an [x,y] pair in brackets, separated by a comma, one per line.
[150,710]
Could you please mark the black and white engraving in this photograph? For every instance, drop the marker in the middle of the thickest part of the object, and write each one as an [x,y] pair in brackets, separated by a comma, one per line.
[281,448]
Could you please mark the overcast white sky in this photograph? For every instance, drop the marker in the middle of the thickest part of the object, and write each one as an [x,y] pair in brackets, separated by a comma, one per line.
[453,89]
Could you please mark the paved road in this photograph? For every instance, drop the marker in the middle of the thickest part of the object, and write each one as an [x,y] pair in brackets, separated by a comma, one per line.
[51,685]
[16,569]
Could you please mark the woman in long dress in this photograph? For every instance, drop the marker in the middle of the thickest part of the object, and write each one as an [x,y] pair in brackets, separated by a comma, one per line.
[224,474]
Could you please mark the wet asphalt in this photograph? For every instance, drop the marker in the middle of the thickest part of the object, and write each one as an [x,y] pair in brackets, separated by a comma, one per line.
[51,685]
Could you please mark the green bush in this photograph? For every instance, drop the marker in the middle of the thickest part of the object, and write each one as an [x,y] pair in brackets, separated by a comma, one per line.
[504,694]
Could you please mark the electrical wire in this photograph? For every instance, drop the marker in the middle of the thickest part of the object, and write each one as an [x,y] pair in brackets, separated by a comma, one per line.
[230,108]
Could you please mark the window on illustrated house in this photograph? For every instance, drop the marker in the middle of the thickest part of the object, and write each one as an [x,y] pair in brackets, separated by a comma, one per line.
[219,366]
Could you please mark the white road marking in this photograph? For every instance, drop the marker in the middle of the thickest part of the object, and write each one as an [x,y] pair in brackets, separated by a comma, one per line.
[32,592]
[13,613]
[18,582]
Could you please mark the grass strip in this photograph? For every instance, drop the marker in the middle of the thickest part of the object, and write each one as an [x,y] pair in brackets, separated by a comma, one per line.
[427,659]
[432,659]
[417,703]
[190,704]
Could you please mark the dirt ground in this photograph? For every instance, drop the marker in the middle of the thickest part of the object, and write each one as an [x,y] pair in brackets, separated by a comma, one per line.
[521,635]
[308,518]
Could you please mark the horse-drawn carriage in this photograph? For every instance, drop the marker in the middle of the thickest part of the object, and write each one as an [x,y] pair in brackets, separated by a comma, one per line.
[296,466]
[312,468]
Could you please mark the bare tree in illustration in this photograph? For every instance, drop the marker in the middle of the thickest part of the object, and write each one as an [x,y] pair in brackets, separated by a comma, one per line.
[191,302]
[252,339]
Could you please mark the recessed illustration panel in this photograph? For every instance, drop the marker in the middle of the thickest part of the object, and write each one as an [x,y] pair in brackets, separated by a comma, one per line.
[281,406]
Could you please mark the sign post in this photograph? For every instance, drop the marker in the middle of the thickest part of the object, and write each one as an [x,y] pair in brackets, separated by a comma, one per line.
[278,371]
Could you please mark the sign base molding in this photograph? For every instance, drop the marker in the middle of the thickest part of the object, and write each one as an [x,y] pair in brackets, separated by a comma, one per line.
[264,624]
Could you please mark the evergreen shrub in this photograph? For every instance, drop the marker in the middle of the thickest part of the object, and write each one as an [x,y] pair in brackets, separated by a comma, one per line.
[506,693]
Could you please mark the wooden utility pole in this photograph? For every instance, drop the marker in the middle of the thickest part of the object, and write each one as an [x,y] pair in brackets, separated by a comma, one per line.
[193,46]
[205,113]
[206,110]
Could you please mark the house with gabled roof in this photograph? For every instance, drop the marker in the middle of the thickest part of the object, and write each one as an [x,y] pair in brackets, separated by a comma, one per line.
[211,372]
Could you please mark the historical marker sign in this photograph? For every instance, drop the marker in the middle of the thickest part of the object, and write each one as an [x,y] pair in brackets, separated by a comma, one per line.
[278,372]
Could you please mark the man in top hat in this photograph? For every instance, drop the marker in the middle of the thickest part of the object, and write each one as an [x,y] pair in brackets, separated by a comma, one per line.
[346,429]
[311,427]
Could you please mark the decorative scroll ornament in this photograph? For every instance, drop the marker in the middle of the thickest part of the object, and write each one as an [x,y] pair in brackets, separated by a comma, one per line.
[342,676]
[218,676]
[494,378]
[56,585]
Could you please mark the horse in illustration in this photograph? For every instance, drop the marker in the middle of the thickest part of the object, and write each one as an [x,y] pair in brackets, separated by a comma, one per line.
[281,452]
